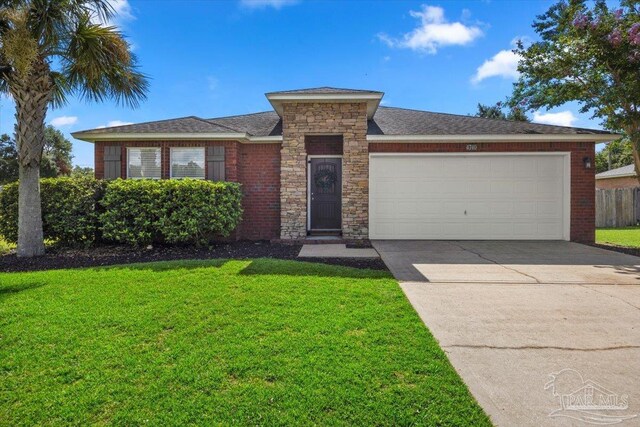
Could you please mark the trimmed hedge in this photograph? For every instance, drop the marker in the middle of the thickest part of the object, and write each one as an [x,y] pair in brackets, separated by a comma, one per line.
[134,212]
[188,211]
[68,209]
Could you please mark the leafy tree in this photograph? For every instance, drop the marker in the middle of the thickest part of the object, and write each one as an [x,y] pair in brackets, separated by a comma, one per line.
[56,156]
[588,55]
[496,112]
[8,159]
[49,50]
[79,172]
[614,155]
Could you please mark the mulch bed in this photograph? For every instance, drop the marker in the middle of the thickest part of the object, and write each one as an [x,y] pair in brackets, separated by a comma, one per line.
[104,255]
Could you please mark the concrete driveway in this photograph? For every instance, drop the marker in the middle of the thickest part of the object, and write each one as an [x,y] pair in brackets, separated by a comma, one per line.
[529,325]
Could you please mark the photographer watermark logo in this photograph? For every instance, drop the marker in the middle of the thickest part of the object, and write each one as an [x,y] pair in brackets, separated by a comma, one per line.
[586,400]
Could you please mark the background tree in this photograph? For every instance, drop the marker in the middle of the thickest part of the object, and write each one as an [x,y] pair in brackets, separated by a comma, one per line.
[79,171]
[8,159]
[50,49]
[497,112]
[56,156]
[614,155]
[588,55]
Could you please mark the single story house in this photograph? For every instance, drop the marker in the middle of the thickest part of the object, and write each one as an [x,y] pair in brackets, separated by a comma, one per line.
[624,177]
[328,160]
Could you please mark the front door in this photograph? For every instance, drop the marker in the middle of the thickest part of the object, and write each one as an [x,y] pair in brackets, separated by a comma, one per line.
[326,193]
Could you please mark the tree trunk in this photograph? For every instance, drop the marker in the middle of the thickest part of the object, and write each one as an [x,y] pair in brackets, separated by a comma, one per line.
[32,95]
[30,237]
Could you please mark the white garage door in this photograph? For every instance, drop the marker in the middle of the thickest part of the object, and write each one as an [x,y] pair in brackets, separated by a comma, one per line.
[469,196]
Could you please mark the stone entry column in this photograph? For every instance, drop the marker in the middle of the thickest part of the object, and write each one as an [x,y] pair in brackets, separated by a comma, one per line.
[346,119]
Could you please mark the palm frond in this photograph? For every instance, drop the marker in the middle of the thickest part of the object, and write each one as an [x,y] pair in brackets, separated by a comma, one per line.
[60,89]
[98,65]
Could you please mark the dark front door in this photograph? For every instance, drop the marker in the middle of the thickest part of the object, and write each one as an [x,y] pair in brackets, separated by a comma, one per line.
[326,193]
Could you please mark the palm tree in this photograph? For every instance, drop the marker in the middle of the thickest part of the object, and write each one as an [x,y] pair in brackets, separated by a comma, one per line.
[49,50]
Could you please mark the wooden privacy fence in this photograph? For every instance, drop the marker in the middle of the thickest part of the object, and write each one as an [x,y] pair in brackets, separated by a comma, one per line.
[617,207]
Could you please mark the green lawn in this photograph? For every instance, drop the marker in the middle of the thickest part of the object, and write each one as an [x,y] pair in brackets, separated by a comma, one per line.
[260,342]
[625,236]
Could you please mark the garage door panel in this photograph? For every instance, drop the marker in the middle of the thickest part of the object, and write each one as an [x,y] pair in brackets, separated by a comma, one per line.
[467,197]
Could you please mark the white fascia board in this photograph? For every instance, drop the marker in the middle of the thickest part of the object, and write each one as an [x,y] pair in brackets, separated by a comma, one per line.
[494,138]
[324,97]
[242,137]
[626,175]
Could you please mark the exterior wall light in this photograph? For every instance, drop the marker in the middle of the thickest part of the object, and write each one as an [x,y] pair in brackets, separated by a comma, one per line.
[587,162]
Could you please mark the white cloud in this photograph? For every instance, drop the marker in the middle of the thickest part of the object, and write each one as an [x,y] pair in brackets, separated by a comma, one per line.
[122,12]
[64,121]
[433,32]
[503,64]
[262,4]
[113,123]
[562,118]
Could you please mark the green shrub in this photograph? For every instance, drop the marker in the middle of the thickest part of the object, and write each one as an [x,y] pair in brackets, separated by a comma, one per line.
[139,212]
[131,210]
[196,211]
[68,209]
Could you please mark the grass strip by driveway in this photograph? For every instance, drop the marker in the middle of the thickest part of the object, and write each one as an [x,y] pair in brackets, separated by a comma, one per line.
[252,342]
[624,236]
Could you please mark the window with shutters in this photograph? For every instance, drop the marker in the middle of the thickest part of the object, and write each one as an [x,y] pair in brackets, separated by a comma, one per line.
[144,163]
[112,161]
[215,163]
[187,162]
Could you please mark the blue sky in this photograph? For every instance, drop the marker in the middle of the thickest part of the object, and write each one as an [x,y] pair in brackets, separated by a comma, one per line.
[216,58]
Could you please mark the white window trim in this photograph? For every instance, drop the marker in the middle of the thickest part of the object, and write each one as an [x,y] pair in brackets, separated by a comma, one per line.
[129,164]
[204,157]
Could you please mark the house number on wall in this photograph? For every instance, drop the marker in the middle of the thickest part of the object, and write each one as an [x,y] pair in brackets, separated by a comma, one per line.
[472,147]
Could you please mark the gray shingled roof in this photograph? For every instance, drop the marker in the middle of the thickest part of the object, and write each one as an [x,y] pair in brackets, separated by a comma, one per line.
[267,123]
[322,90]
[189,124]
[386,121]
[400,121]
[628,170]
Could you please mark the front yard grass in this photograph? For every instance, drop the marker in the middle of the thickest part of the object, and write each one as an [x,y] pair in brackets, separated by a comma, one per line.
[625,236]
[252,342]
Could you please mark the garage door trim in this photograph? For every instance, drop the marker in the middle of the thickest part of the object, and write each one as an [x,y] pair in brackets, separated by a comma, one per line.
[566,155]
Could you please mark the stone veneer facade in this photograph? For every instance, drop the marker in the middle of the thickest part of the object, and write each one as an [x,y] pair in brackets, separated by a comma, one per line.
[300,119]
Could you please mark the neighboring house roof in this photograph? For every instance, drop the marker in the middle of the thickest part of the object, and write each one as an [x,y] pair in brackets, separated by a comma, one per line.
[622,172]
[384,124]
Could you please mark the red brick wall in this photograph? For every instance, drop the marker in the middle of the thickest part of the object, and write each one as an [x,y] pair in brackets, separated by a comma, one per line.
[623,182]
[256,167]
[259,173]
[583,208]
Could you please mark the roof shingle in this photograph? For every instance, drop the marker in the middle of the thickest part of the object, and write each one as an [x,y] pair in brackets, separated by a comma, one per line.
[628,170]
[401,121]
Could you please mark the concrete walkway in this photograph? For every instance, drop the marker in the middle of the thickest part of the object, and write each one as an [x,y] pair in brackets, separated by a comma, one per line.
[336,251]
[527,324]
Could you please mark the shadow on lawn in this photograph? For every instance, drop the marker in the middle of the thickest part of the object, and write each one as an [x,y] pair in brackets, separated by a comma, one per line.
[265,266]
[256,267]
[12,290]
